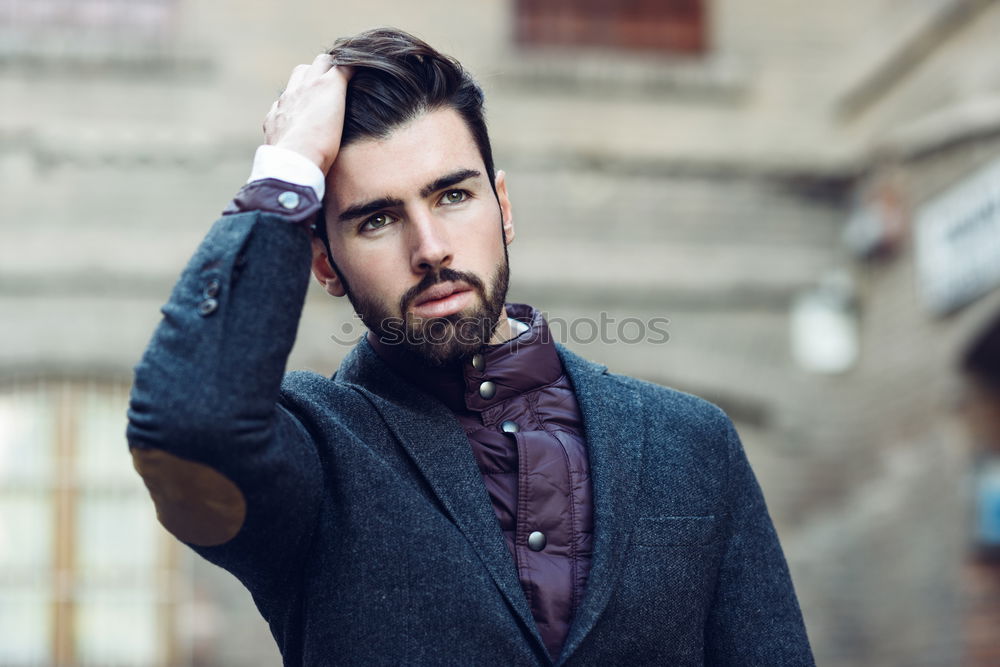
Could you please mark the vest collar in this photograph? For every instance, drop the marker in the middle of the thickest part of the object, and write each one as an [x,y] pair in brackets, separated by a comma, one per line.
[524,363]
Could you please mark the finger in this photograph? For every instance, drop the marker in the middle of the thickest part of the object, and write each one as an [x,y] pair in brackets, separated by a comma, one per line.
[298,74]
[345,71]
[273,111]
[320,65]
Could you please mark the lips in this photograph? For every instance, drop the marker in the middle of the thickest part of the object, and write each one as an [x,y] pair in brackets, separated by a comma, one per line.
[439,291]
[442,300]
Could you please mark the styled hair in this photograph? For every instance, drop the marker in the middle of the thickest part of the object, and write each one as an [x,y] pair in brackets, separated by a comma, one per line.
[398,77]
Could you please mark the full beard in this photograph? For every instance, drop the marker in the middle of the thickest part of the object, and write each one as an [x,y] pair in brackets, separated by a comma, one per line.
[438,340]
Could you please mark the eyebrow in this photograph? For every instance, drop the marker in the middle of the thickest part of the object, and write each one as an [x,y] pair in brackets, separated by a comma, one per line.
[453,178]
[367,208]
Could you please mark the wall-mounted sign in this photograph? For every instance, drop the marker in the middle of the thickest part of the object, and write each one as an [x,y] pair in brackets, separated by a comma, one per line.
[958,242]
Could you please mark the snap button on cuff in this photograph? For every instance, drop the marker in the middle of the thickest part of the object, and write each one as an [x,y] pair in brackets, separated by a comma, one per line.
[289,199]
[509,427]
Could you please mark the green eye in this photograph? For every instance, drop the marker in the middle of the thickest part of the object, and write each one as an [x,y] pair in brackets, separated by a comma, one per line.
[454,196]
[377,221]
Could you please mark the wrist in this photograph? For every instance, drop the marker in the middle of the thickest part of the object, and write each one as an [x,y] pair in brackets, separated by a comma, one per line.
[306,151]
[285,164]
[294,202]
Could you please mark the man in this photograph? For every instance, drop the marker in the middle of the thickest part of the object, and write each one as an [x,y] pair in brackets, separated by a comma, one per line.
[463,491]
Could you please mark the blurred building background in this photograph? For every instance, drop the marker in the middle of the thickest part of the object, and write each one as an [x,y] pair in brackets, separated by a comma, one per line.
[810,192]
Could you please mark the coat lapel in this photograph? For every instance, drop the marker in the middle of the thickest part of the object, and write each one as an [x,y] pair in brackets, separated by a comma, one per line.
[440,450]
[614,437]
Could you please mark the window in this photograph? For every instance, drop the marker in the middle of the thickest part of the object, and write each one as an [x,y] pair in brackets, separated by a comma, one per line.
[667,26]
[87,576]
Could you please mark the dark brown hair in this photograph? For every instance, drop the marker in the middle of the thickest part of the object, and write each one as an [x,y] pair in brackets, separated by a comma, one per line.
[398,77]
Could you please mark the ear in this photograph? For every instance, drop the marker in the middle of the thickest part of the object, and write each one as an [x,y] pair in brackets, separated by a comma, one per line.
[323,271]
[504,199]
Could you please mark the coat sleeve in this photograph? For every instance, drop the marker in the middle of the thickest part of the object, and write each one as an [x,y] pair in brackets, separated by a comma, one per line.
[755,617]
[232,473]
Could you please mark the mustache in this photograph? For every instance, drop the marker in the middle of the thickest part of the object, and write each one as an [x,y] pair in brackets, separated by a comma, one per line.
[440,276]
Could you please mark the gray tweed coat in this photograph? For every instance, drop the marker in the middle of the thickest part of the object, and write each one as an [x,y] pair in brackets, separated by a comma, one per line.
[352,509]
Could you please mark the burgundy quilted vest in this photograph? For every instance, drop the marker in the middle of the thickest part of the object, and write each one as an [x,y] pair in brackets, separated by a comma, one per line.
[527,437]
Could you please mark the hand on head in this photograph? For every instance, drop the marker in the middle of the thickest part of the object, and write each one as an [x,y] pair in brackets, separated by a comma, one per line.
[308,116]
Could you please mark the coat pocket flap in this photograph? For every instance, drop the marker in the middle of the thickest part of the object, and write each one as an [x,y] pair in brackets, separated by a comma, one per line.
[664,531]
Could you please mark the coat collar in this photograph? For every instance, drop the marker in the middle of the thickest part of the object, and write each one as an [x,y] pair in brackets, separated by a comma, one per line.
[439,448]
[614,439]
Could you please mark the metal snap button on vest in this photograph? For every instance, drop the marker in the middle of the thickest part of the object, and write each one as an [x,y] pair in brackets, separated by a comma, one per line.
[478,362]
[509,427]
[487,390]
[536,541]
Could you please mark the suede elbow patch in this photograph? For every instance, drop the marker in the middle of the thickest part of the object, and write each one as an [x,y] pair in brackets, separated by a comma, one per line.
[194,502]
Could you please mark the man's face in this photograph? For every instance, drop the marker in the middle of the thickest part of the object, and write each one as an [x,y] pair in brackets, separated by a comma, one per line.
[415,232]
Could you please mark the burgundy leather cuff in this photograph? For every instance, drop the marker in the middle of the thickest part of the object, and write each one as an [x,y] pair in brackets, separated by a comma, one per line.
[297,203]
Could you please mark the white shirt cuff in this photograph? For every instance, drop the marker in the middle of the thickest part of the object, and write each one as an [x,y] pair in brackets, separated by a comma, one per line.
[289,166]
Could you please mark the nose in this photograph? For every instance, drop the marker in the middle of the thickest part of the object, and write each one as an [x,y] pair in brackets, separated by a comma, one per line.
[430,244]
